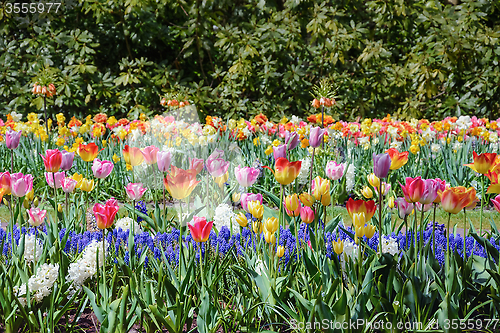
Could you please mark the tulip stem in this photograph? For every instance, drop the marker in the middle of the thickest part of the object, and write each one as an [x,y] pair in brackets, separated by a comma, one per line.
[448,236]
[34,254]
[55,196]
[11,224]
[421,241]
[12,161]
[311,171]
[67,206]
[134,217]
[201,267]
[482,202]
[465,229]
[380,215]
[434,230]
[103,265]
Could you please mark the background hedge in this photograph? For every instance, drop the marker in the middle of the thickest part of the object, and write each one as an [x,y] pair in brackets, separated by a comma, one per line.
[242,57]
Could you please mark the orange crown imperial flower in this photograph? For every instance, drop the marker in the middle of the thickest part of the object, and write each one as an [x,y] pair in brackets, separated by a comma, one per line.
[482,162]
[180,183]
[397,159]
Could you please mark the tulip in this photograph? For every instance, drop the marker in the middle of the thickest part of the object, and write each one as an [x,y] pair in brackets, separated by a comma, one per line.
[291,140]
[292,202]
[21,184]
[257,227]
[316,136]
[369,231]
[496,203]
[132,156]
[242,220]
[494,177]
[180,183]
[334,171]
[221,180]
[397,159]
[78,178]
[373,180]
[196,164]
[67,160]
[5,182]
[367,192]
[483,162]
[454,199]
[404,207]
[286,171]
[293,213]
[217,166]
[429,194]
[390,203]
[88,152]
[135,191]
[269,237]
[246,176]
[52,160]
[279,151]
[36,216]
[381,165]
[359,232]
[248,197]
[441,185]
[385,188]
[150,154]
[256,209]
[413,189]
[54,177]
[307,215]
[307,199]
[105,214]
[12,139]
[200,229]
[359,219]
[236,197]
[68,185]
[102,169]
[338,247]
[164,158]
[271,224]
[321,190]
[425,207]
[87,185]
[361,206]
[280,251]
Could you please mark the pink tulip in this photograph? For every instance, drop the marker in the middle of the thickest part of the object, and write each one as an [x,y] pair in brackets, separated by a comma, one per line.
[67,160]
[413,189]
[248,197]
[135,190]
[316,136]
[496,203]
[279,151]
[295,212]
[5,182]
[426,207]
[37,216]
[196,164]
[334,171]
[217,167]
[52,160]
[68,185]
[150,154]
[200,229]
[12,139]
[246,176]
[430,193]
[385,188]
[164,159]
[102,169]
[404,208]
[306,214]
[56,177]
[105,214]
[21,184]
[217,153]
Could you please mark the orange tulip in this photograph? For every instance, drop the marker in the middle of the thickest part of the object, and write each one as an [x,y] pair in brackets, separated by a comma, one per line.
[397,159]
[361,206]
[483,162]
[494,177]
[180,183]
[286,171]
[132,155]
[454,199]
[88,152]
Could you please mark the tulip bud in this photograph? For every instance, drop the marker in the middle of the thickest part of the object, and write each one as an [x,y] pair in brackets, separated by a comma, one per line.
[307,199]
[292,202]
[256,209]
[360,231]
[59,208]
[36,202]
[338,247]
[26,203]
[236,197]
[390,203]
[359,219]
[257,227]
[269,237]
[242,220]
[367,192]
[373,180]
[369,231]
[280,251]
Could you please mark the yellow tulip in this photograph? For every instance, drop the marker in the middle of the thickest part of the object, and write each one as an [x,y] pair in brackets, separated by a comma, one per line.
[373,180]
[359,219]
[87,185]
[269,237]
[256,209]
[242,220]
[280,251]
[307,199]
[369,231]
[271,224]
[338,247]
[367,192]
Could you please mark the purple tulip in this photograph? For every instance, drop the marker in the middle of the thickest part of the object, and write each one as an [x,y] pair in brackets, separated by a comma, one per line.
[316,136]
[291,140]
[381,165]
[279,151]
[67,160]
[164,158]
[12,139]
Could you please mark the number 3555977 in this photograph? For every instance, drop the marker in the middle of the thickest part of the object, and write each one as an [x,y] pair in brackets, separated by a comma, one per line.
[32,8]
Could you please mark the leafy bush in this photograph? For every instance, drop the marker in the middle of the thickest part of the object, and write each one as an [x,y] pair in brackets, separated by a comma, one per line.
[412,58]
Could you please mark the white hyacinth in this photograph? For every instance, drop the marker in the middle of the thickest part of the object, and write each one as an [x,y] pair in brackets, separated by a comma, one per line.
[40,284]
[303,176]
[29,248]
[390,245]
[125,224]
[350,250]
[223,216]
[350,181]
[86,266]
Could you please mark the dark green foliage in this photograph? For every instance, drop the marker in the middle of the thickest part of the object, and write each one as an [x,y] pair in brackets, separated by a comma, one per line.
[413,58]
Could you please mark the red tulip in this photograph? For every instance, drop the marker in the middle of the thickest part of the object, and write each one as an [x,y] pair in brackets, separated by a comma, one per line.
[52,160]
[483,162]
[105,214]
[200,229]
[361,206]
